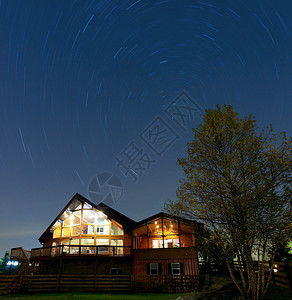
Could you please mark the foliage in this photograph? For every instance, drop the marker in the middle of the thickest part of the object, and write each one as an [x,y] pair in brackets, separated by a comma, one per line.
[283,252]
[3,262]
[238,183]
[209,251]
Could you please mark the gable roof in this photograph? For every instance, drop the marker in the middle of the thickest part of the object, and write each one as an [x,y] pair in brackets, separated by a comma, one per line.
[111,213]
[164,215]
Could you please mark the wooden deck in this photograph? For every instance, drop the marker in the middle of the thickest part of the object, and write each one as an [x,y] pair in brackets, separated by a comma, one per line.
[80,251]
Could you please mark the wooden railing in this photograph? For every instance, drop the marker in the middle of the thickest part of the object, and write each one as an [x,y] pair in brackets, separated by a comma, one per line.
[20,254]
[80,250]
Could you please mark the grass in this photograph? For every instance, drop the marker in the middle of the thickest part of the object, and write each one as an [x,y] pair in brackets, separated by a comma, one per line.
[89,296]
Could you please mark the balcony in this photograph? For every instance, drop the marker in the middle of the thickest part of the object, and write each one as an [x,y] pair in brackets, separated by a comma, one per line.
[80,250]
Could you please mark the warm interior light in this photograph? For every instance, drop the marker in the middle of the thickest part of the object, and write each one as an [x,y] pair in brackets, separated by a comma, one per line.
[171,225]
[275,270]
[155,222]
[157,226]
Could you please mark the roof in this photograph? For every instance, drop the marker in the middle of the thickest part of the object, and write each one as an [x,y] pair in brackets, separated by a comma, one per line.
[164,215]
[127,223]
[111,213]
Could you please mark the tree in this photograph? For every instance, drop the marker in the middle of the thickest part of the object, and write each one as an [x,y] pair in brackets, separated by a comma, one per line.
[209,251]
[238,183]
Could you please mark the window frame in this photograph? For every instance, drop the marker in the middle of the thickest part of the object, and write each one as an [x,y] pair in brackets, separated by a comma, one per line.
[151,269]
[175,268]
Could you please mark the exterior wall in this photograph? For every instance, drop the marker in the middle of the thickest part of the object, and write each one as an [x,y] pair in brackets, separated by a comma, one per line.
[190,266]
[187,256]
[127,239]
[84,266]
[49,241]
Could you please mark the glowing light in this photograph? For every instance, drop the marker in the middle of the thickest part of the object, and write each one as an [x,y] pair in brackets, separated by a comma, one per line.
[12,263]
[171,225]
[155,222]
[157,226]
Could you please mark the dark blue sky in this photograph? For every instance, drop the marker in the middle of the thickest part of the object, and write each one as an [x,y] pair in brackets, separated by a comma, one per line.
[81,80]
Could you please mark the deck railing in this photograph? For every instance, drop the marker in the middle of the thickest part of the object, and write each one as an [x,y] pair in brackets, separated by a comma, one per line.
[79,250]
[20,254]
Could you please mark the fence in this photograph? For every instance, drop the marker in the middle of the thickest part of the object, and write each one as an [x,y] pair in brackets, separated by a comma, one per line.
[65,283]
[97,283]
[165,283]
[281,272]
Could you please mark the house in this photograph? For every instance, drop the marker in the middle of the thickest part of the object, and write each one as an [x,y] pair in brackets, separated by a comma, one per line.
[97,240]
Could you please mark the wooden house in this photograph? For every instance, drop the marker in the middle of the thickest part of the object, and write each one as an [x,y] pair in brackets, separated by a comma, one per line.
[86,238]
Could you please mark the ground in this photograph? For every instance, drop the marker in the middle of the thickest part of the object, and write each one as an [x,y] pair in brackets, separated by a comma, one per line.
[89,296]
[275,293]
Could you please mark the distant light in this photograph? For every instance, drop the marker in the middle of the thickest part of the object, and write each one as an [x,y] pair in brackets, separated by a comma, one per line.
[157,226]
[171,225]
[275,270]
[12,263]
[155,222]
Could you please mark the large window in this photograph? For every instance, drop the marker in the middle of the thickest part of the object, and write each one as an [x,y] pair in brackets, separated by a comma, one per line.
[85,224]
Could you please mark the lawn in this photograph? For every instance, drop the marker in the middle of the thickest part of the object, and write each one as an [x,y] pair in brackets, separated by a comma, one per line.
[89,296]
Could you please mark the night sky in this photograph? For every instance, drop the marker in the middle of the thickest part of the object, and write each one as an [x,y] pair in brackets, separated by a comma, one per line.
[83,83]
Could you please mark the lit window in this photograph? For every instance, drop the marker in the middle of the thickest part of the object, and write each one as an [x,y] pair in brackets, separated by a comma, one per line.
[115,230]
[88,229]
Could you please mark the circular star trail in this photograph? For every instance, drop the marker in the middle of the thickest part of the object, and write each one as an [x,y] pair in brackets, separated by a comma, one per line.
[80,80]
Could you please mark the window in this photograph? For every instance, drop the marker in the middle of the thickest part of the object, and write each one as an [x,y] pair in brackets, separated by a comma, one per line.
[75,230]
[88,217]
[99,230]
[154,269]
[175,269]
[117,271]
[115,230]
[157,243]
[57,232]
[88,229]
[85,249]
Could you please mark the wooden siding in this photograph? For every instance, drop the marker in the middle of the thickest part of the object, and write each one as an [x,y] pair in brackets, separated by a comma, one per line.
[190,266]
[167,253]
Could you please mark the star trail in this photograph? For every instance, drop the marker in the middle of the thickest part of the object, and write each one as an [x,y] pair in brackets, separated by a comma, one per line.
[81,80]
